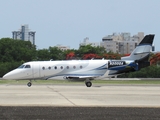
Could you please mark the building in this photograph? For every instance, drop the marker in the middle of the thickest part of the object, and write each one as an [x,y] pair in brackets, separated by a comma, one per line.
[61,47]
[122,43]
[24,34]
[86,42]
[109,44]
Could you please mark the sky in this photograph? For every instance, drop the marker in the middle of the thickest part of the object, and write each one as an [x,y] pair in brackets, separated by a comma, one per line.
[68,22]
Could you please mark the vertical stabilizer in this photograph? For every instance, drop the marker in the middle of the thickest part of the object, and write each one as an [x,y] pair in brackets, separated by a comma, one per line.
[143,50]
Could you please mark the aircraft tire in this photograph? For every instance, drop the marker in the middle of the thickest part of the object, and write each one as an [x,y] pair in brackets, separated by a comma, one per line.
[88,84]
[29,84]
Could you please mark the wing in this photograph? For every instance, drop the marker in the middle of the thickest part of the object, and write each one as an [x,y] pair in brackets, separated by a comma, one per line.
[80,77]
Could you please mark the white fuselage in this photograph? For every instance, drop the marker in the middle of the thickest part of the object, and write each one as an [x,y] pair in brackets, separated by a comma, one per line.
[66,69]
[48,69]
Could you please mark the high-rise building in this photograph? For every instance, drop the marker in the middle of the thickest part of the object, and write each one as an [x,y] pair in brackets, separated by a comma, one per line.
[24,34]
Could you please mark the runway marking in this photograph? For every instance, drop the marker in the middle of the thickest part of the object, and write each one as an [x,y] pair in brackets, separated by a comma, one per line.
[61,95]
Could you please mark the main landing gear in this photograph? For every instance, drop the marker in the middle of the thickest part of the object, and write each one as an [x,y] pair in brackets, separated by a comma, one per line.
[88,83]
[29,84]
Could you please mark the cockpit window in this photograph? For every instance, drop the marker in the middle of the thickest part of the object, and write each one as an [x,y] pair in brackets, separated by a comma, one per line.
[27,66]
[22,66]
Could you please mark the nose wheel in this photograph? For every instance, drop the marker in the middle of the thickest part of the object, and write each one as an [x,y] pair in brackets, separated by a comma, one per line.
[29,84]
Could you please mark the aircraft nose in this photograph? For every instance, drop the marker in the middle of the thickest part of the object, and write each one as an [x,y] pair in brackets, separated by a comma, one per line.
[7,76]
[11,75]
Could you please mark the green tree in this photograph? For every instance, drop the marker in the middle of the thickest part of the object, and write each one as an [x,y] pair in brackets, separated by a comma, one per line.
[56,53]
[89,49]
[16,50]
[43,54]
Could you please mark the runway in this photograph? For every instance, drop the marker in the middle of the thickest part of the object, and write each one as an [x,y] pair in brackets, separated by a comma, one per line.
[78,101]
[80,95]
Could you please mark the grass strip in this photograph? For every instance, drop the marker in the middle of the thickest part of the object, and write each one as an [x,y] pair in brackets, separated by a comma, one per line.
[40,82]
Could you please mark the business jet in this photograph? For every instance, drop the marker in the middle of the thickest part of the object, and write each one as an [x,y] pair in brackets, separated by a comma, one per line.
[86,70]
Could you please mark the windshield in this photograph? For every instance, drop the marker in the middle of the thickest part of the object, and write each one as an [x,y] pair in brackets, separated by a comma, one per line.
[27,66]
[22,66]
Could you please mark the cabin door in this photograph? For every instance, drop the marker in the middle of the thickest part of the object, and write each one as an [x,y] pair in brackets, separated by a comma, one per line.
[35,71]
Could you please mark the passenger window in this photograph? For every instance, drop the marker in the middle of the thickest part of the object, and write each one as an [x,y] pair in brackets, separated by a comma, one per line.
[49,68]
[55,67]
[74,67]
[61,67]
[27,66]
[43,68]
[67,67]
[81,66]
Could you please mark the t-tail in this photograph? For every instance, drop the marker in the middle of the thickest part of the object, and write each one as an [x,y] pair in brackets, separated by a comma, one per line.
[141,53]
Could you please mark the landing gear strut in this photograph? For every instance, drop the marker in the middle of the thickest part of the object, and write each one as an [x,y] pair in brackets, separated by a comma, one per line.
[29,84]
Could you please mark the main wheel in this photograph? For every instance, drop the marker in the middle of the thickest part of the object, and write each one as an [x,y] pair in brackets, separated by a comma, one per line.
[88,84]
[29,84]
